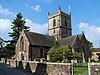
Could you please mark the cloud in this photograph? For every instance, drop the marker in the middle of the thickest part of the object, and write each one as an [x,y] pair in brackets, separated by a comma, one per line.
[5,28]
[92,32]
[5,24]
[5,11]
[36,8]
[39,28]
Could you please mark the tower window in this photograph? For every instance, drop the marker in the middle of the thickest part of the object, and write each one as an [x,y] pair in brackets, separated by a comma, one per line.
[54,22]
[66,22]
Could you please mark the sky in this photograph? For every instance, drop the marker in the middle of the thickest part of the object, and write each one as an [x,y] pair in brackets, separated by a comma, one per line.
[85,16]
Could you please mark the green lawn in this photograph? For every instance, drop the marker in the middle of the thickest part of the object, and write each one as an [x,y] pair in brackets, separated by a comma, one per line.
[79,69]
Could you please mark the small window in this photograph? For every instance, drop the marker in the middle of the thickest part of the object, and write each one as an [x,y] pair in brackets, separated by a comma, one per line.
[54,31]
[66,22]
[54,22]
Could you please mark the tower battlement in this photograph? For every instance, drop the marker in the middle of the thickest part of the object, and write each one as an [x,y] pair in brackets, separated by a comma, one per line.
[59,24]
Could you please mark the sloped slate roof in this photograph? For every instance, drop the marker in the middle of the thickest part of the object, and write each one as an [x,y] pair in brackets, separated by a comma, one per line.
[70,40]
[39,39]
[96,49]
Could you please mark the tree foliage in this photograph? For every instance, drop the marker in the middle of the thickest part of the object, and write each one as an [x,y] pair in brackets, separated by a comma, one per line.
[90,44]
[7,51]
[59,53]
[18,24]
[1,43]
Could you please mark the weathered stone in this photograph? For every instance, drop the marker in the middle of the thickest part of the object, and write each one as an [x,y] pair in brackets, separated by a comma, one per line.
[43,68]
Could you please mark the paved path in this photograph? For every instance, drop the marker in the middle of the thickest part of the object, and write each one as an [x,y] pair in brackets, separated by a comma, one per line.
[7,70]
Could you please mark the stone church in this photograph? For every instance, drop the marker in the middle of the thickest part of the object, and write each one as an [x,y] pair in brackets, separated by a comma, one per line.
[31,45]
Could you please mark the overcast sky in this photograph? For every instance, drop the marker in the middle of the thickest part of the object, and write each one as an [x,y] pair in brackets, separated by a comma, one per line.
[85,16]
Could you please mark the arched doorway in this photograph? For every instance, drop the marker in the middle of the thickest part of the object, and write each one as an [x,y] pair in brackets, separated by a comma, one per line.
[22,56]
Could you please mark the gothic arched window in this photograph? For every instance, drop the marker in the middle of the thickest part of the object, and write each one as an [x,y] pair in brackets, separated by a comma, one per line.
[54,22]
[22,44]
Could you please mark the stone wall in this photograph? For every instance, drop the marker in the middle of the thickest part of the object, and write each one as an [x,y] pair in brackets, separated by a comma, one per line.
[42,68]
[59,69]
[18,48]
[94,68]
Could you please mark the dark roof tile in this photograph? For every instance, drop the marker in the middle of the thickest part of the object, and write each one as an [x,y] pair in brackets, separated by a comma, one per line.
[39,39]
[96,49]
[69,40]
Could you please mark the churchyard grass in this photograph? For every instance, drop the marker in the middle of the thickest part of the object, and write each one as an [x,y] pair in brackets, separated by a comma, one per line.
[80,68]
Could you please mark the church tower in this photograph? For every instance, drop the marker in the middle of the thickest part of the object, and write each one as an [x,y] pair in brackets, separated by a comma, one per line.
[59,24]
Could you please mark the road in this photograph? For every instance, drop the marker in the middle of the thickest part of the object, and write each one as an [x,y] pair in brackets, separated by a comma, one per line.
[7,70]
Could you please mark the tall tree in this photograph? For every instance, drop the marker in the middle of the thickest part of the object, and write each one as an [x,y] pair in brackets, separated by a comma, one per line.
[17,26]
[1,43]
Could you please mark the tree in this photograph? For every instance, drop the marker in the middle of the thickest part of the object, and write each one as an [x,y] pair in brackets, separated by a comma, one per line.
[7,51]
[90,44]
[1,43]
[17,26]
[58,54]
[77,56]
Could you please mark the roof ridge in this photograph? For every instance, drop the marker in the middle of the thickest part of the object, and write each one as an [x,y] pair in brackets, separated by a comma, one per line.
[39,39]
[39,33]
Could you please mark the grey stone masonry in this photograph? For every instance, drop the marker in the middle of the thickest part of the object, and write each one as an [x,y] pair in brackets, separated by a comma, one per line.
[42,68]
